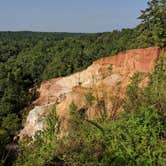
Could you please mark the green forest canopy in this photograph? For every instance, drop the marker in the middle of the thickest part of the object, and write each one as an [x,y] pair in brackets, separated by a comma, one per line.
[27,58]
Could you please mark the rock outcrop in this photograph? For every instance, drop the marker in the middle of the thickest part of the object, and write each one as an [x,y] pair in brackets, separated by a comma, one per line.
[106,79]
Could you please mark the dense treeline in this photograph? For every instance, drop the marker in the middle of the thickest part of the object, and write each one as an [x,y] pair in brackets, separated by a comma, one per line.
[27,58]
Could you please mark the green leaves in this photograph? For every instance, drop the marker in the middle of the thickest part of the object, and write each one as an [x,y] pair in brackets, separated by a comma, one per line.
[11,123]
[89,98]
[42,150]
[153,25]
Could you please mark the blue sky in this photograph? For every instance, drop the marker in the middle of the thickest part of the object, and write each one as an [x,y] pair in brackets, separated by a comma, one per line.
[69,15]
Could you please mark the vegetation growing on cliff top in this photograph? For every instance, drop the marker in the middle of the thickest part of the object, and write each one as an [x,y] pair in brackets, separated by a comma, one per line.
[137,137]
[27,58]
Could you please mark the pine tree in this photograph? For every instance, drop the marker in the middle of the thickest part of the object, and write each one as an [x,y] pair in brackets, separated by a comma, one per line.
[153,26]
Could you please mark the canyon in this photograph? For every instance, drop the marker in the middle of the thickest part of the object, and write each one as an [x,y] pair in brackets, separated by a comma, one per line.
[106,79]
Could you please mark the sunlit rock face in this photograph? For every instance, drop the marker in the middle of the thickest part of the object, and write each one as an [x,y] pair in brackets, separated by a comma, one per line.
[106,78]
[35,120]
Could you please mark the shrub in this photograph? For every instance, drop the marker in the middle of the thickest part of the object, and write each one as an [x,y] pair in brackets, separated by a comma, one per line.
[42,151]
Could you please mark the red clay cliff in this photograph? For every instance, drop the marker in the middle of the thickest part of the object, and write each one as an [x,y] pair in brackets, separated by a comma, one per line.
[106,78]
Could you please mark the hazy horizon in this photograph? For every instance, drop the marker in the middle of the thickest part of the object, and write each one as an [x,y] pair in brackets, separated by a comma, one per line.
[74,16]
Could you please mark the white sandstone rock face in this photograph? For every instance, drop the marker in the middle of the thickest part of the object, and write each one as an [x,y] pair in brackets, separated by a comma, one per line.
[35,120]
[51,91]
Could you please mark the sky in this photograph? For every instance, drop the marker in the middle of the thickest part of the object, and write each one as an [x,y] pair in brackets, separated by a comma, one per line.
[69,15]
